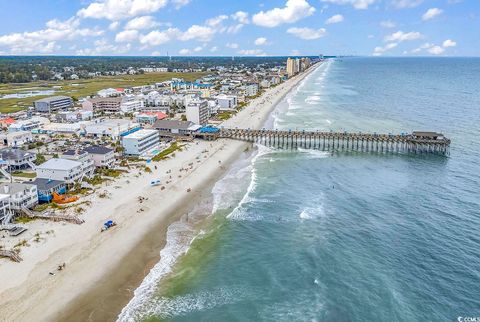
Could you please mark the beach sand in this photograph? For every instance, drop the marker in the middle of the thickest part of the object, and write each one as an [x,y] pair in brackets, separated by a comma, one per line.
[103,269]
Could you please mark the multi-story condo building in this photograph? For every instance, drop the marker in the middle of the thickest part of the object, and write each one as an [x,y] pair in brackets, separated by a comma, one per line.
[65,170]
[99,105]
[52,104]
[226,101]
[141,141]
[197,112]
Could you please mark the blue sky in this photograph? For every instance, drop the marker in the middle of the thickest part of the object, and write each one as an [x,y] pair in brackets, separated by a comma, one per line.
[244,27]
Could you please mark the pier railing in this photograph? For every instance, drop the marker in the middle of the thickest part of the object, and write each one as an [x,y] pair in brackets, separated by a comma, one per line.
[415,142]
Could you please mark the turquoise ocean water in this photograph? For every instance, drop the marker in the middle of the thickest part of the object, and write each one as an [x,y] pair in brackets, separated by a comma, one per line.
[308,236]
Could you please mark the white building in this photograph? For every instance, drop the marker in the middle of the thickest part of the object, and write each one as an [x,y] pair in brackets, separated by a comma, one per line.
[88,165]
[227,101]
[102,157]
[197,112]
[141,141]
[4,207]
[113,128]
[17,138]
[60,169]
[21,195]
[28,125]
[251,89]
[130,104]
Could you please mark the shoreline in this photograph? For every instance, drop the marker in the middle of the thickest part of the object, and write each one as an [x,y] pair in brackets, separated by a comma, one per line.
[99,282]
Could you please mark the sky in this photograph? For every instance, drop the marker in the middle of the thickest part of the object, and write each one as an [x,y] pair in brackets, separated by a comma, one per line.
[241,27]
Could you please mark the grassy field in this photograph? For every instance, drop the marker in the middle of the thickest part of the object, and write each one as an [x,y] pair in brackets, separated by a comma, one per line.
[82,87]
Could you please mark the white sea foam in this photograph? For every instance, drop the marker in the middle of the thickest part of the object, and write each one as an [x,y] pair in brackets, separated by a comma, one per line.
[179,237]
[314,154]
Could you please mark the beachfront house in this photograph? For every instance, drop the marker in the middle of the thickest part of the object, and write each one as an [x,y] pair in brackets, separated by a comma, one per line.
[16,159]
[140,142]
[61,169]
[88,165]
[46,187]
[4,208]
[103,157]
[22,195]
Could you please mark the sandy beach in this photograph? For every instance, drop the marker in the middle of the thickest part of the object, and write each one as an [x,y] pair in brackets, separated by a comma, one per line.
[103,269]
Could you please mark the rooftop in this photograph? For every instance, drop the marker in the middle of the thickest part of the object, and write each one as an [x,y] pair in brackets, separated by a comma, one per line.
[97,149]
[14,187]
[59,164]
[46,184]
[14,154]
[140,134]
[53,98]
[172,124]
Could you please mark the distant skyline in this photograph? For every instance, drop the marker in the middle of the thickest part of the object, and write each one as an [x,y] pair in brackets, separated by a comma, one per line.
[241,28]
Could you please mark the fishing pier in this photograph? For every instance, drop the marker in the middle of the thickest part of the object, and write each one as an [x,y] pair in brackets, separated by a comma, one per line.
[416,142]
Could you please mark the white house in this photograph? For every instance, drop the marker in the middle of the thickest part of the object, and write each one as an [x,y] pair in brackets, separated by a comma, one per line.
[102,157]
[60,169]
[88,165]
[21,195]
[141,141]
[17,138]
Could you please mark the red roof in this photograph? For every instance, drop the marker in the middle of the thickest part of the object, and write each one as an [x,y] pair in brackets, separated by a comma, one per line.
[7,120]
[159,115]
[119,89]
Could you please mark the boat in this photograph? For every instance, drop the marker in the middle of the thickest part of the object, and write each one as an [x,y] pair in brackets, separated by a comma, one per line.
[155,182]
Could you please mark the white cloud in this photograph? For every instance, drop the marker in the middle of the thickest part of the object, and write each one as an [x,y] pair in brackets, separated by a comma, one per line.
[260,41]
[241,17]
[180,3]
[216,21]
[143,22]
[200,33]
[232,45]
[293,11]
[156,37]
[357,4]
[213,49]
[370,36]
[334,19]
[295,52]
[431,13]
[120,9]
[198,48]
[126,36]
[44,40]
[400,36]
[184,51]
[307,33]
[252,52]
[235,28]
[102,47]
[387,24]
[402,4]
[114,25]
[380,50]
[436,50]
[449,43]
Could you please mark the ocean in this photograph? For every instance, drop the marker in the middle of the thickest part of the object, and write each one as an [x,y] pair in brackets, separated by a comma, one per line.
[309,236]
